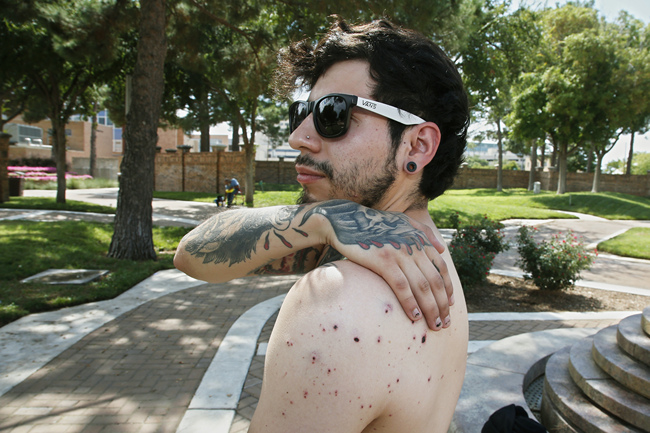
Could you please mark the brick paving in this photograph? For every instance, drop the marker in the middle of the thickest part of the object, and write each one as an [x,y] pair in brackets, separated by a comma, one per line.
[139,372]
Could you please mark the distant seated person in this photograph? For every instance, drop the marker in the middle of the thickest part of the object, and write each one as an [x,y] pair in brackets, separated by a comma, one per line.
[232,188]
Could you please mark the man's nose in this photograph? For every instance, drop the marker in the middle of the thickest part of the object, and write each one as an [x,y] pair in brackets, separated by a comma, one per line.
[305,137]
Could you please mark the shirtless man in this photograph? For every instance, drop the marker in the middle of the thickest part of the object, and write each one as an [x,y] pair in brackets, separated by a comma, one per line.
[343,357]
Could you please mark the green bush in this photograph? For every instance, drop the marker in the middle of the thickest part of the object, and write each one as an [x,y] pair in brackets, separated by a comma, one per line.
[554,264]
[473,248]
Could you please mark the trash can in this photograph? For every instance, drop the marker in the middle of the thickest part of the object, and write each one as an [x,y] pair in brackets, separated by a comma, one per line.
[537,187]
[16,186]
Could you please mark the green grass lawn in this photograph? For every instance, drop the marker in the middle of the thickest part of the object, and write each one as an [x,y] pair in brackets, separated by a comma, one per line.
[633,243]
[27,248]
[520,203]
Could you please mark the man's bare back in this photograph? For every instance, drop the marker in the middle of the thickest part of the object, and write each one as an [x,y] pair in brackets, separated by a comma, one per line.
[343,357]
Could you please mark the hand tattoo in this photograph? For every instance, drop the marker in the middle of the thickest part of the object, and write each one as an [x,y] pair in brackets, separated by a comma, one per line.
[366,227]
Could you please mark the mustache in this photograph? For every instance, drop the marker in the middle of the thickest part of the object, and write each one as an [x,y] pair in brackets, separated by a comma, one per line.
[324,167]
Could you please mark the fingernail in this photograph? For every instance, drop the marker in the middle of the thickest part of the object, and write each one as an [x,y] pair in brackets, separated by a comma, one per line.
[416,313]
[452,299]
[438,322]
[447,321]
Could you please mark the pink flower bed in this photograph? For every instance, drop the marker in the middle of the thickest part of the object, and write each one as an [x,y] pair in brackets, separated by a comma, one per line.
[42,173]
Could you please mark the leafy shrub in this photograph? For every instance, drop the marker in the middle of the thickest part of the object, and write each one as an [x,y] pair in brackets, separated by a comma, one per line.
[473,248]
[554,264]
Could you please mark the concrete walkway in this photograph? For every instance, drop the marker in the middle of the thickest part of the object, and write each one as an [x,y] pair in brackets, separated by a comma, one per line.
[167,355]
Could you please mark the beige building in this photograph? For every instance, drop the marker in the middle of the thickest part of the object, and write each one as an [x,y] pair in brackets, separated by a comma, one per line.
[25,143]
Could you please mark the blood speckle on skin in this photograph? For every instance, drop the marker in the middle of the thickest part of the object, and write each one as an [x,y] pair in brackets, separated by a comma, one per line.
[291,402]
[336,327]
[378,339]
[414,337]
[397,381]
[336,393]
[356,339]
[289,343]
[424,338]
[361,406]
[429,380]
[305,394]
[389,308]
[329,370]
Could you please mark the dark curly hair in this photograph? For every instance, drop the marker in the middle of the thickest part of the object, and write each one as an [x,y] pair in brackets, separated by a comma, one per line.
[410,72]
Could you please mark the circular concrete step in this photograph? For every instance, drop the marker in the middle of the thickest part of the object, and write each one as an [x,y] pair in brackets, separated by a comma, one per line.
[618,364]
[645,320]
[605,391]
[561,394]
[633,340]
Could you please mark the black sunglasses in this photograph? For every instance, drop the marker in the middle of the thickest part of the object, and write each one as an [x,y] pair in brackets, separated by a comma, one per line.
[332,113]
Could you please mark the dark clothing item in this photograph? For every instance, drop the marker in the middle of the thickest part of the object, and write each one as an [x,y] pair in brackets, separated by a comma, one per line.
[512,419]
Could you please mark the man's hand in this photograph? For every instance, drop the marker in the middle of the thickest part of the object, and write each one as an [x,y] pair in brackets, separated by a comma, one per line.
[401,250]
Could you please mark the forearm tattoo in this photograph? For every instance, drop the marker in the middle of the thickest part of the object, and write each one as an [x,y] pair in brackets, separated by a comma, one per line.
[233,238]
[358,225]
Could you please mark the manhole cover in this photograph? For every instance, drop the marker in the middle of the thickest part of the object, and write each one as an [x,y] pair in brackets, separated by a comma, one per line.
[66,276]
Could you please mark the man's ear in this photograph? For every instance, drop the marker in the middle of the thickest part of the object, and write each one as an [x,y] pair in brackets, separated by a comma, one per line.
[424,142]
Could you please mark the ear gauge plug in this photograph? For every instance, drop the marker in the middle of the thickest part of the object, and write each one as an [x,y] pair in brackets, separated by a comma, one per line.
[411,167]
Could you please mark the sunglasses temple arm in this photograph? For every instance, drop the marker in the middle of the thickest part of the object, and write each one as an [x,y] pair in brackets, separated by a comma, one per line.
[393,113]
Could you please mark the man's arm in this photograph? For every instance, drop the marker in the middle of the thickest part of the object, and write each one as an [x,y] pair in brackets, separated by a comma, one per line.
[289,239]
[245,242]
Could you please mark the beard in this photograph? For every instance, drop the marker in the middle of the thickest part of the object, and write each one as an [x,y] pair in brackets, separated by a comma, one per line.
[357,182]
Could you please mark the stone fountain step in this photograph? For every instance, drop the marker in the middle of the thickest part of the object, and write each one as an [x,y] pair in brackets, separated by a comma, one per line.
[618,364]
[605,391]
[645,320]
[566,409]
[633,340]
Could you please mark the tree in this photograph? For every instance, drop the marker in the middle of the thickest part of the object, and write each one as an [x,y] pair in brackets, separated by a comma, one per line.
[133,238]
[633,41]
[67,50]
[562,107]
[494,58]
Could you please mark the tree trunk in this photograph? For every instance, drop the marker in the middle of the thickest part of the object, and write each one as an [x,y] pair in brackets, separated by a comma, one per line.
[533,166]
[204,120]
[500,157]
[58,149]
[595,186]
[235,134]
[133,238]
[590,158]
[562,150]
[543,154]
[554,157]
[628,167]
[93,143]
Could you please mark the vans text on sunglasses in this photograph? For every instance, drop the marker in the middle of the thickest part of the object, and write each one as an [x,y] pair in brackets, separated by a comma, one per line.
[332,113]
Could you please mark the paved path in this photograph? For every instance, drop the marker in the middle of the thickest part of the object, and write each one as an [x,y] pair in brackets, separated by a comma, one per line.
[149,360]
